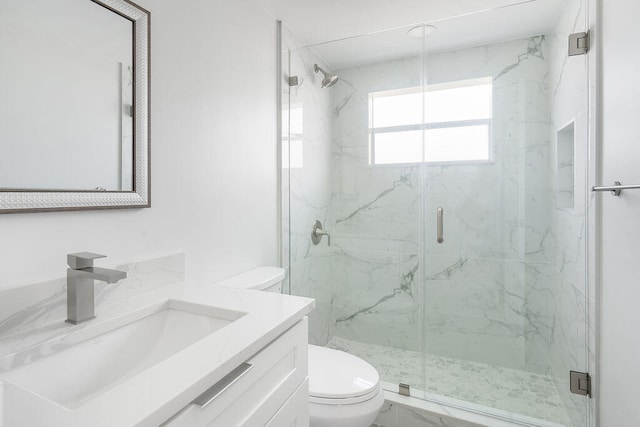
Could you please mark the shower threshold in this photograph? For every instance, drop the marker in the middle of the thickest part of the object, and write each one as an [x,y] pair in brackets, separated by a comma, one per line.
[523,397]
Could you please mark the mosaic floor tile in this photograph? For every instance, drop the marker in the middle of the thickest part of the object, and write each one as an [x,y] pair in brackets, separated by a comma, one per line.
[525,393]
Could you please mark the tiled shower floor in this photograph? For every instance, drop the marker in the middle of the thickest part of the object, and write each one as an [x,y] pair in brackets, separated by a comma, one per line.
[525,393]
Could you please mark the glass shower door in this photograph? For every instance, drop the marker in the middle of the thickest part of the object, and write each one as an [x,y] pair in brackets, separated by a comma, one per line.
[377,198]
[367,284]
[481,122]
[505,288]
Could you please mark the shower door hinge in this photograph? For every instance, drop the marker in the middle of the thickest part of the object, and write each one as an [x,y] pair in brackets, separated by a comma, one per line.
[404,389]
[580,383]
[579,43]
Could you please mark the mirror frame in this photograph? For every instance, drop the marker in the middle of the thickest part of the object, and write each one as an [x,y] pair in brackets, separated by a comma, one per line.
[18,201]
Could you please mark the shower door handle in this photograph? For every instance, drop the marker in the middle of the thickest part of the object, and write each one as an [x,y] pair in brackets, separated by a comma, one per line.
[440,225]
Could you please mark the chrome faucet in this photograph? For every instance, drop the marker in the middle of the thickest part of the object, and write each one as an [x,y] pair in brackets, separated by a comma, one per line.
[80,290]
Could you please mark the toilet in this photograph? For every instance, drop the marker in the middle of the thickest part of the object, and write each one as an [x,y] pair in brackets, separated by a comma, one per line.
[344,390]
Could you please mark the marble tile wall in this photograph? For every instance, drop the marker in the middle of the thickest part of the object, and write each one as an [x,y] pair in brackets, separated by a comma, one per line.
[497,218]
[569,103]
[376,218]
[35,313]
[472,287]
[377,295]
[507,287]
[307,183]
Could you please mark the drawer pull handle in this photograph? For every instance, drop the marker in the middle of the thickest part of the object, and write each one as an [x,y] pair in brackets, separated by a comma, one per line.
[218,388]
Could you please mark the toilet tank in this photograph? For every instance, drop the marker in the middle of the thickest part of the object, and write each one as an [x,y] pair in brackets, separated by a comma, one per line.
[260,279]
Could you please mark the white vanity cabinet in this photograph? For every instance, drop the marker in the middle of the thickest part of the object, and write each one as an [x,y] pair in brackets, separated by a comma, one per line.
[270,388]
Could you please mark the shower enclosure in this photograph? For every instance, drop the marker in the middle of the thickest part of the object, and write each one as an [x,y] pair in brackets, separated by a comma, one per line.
[448,164]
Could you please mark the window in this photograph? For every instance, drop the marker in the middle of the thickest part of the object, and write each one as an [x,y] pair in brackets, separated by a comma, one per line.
[292,137]
[449,122]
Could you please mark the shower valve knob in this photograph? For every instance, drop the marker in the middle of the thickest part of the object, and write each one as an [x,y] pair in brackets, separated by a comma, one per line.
[317,232]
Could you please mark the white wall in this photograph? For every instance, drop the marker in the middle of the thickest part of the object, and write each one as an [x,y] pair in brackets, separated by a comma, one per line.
[620,242]
[213,153]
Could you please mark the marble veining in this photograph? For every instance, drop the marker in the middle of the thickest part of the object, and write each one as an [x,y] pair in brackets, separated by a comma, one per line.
[533,49]
[567,337]
[154,394]
[35,313]
[573,10]
[342,104]
[403,180]
[507,287]
[406,284]
[308,185]
[449,271]
[475,286]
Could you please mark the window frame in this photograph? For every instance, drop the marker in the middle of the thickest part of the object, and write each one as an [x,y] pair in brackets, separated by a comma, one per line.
[435,125]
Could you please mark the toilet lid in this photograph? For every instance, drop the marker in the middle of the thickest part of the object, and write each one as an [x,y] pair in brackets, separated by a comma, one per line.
[334,374]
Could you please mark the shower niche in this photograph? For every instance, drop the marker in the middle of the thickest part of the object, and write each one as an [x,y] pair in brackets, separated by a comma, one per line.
[565,164]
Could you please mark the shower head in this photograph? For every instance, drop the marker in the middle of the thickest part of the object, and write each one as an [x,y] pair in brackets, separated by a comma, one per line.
[329,79]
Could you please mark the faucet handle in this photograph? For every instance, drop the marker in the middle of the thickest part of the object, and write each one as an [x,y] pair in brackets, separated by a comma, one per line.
[317,232]
[82,259]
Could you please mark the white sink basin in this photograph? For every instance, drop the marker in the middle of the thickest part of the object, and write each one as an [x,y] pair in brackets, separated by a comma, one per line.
[82,371]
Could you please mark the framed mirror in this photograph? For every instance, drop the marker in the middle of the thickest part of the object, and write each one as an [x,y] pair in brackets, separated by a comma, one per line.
[74,105]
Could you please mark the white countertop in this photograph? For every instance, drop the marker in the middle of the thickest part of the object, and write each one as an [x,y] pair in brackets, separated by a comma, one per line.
[152,396]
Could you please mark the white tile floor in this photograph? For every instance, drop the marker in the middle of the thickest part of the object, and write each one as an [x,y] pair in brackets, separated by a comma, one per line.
[524,393]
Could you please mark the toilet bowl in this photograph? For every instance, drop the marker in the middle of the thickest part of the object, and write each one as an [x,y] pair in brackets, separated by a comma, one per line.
[344,390]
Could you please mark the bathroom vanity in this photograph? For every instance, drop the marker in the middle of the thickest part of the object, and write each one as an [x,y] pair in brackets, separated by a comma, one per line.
[269,389]
[183,354]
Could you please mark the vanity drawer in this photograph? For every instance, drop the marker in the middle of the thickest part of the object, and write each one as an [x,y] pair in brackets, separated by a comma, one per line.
[261,389]
[295,412]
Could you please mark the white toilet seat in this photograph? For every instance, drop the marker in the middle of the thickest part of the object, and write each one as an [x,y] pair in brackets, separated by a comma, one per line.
[339,378]
[340,414]
[344,400]
[344,390]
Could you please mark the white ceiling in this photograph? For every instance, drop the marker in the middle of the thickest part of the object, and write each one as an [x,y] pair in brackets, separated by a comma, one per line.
[460,23]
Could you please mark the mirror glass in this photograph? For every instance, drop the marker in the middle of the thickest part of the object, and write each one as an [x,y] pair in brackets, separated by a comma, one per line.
[66,97]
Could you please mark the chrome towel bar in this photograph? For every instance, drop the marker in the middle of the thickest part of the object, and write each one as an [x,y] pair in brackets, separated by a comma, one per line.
[616,188]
